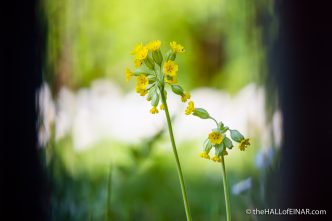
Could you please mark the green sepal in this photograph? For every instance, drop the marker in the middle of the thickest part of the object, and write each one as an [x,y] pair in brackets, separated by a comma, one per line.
[149,62]
[228,142]
[177,89]
[157,56]
[140,71]
[201,113]
[207,146]
[219,149]
[151,78]
[168,55]
[155,99]
[236,135]
[173,56]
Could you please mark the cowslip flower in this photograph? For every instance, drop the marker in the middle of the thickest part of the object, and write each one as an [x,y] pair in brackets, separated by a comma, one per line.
[190,108]
[141,91]
[177,48]
[171,79]
[153,45]
[185,96]
[137,63]
[216,158]
[244,143]
[154,110]
[129,74]
[137,48]
[142,82]
[205,155]
[216,137]
[142,54]
[170,68]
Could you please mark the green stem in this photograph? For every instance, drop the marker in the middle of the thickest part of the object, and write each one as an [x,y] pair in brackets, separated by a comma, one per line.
[178,166]
[214,120]
[226,193]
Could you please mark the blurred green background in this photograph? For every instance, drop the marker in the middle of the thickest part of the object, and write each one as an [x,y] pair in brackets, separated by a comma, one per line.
[89,41]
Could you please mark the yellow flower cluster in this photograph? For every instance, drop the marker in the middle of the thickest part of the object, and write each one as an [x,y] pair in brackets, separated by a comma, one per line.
[129,74]
[154,71]
[219,140]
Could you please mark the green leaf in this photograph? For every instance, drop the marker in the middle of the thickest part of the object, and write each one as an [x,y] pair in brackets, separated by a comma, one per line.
[201,113]
[177,89]
[236,135]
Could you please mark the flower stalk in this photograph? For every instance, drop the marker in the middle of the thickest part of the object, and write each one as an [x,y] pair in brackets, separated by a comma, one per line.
[178,165]
[226,190]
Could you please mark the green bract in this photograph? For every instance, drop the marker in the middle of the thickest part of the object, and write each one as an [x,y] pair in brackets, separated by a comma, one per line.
[228,143]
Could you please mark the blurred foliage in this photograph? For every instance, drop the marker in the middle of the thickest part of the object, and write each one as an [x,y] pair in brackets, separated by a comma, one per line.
[144,184]
[92,39]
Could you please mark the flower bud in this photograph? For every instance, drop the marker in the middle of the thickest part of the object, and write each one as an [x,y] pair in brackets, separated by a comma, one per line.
[177,89]
[201,113]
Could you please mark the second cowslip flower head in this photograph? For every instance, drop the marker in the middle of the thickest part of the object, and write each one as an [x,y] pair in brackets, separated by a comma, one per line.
[218,140]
